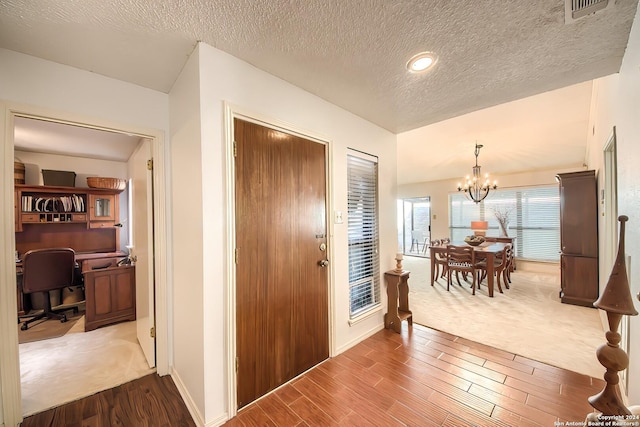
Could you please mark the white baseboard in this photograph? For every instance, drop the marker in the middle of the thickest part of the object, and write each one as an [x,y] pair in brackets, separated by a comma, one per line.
[191,406]
[218,421]
[358,339]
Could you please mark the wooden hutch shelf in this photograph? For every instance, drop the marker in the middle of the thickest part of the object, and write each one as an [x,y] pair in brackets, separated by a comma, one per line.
[86,220]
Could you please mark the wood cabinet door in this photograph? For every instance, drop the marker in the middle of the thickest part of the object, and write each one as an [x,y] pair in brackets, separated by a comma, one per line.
[579,280]
[110,296]
[102,207]
[578,214]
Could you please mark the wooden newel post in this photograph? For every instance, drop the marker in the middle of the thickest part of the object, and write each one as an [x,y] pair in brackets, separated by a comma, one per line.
[616,301]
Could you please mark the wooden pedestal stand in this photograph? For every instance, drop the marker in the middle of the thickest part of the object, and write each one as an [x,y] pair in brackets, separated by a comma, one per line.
[397,300]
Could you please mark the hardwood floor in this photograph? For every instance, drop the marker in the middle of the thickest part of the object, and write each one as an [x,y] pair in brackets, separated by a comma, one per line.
[148,401]
[420,377]
[424,377]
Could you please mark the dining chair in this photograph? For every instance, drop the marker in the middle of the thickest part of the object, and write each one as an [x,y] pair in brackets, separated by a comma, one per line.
[461,259]
[440,261]
[506,272]
[501,264]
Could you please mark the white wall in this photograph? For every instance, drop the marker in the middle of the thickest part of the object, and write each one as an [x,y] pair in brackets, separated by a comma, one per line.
[33,81]
[188,238]
[617,104]
[439,192]
[40,87]
[224,78]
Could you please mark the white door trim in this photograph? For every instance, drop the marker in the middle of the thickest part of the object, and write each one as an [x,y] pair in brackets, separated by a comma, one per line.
[11,406]
[609,202]
[232,112]
[9,359]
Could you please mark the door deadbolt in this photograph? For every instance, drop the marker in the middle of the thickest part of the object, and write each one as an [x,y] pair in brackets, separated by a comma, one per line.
[323,263]
[323,247]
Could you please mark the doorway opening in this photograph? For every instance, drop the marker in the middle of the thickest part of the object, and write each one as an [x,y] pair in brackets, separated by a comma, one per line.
[125,357]
[414,226]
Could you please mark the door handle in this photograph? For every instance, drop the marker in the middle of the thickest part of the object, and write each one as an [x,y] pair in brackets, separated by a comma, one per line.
[323,263]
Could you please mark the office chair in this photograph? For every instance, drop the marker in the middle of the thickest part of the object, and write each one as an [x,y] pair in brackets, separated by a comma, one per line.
[45,270]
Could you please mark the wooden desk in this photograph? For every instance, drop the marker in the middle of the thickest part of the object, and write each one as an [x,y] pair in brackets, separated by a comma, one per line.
[83,259]
[110,295]
[397,300]
[485,251]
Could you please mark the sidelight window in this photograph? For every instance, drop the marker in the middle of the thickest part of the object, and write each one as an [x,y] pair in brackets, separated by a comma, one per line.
[364,260]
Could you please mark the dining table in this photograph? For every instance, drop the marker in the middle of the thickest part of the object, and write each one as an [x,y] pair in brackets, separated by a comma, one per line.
[486,250]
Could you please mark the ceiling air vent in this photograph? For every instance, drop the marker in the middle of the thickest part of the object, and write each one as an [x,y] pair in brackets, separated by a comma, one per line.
[576,9]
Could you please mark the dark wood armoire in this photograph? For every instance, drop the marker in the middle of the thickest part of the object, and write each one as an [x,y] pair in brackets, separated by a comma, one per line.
[578,238]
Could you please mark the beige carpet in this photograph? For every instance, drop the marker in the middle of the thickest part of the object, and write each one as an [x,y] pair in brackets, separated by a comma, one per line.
[527,319]
[79,364]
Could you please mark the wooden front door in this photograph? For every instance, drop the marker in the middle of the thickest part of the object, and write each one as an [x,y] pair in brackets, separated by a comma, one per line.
[281,285]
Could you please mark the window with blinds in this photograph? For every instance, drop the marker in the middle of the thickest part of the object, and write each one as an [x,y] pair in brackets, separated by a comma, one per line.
[364,261]
[534,219]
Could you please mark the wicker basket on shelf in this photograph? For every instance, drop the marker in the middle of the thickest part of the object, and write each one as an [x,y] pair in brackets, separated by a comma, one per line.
[106,183]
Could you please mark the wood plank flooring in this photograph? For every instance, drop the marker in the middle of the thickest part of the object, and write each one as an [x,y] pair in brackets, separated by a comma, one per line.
[420,377]
[424,377]
[148,401]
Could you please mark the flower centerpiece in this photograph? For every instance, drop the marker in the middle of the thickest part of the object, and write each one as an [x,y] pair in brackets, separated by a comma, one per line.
[503,215]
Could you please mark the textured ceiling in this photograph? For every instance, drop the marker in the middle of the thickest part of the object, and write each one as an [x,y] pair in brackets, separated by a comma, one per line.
[514,75]
[351,53]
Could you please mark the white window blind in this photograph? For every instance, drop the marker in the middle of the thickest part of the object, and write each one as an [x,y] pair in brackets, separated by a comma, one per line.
[364,261]
[534,219]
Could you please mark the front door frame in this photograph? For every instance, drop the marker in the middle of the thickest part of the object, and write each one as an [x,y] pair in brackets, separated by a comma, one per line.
[9,354]
[232,112]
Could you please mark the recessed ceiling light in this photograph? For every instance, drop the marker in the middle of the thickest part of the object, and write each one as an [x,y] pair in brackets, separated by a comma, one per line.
[421,62]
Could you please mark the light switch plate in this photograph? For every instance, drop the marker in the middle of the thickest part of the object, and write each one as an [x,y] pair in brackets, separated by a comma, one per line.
[338,217]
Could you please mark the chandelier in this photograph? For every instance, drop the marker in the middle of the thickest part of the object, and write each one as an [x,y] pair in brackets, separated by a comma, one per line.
[474,187]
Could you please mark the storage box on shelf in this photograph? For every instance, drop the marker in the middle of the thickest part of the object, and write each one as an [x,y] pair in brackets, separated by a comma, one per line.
[18,172]
[58,178]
